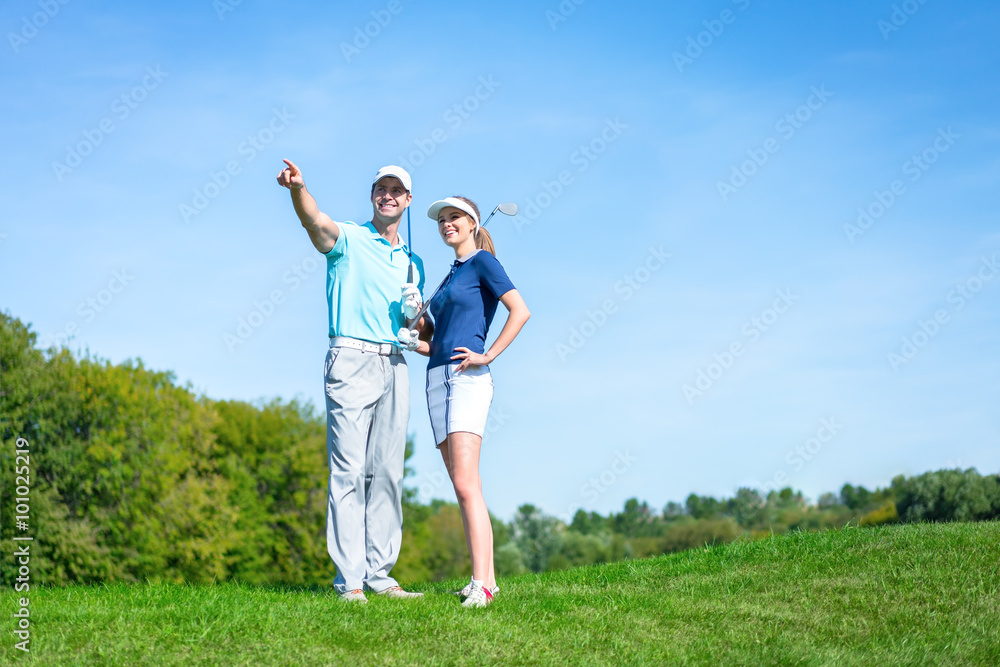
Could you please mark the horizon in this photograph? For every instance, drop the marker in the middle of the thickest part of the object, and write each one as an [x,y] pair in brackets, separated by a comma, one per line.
[749,232]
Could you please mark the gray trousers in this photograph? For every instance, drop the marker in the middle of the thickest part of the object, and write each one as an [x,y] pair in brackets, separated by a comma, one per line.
[367,408]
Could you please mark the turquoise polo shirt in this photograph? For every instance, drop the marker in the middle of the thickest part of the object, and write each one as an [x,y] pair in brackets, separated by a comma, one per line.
[364,280]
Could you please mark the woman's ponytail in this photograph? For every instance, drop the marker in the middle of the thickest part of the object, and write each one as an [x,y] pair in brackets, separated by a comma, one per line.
[483,239]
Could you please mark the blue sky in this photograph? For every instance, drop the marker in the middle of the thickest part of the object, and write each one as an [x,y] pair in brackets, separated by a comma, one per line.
[758,239]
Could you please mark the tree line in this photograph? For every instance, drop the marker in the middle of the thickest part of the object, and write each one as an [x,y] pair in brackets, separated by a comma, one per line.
[135,478]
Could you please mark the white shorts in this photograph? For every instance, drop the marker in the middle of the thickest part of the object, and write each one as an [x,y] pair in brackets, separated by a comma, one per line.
[458,401]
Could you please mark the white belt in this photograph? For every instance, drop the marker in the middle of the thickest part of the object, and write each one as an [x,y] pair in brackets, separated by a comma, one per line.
[384,349]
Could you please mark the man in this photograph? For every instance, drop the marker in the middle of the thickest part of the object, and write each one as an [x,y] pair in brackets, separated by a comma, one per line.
[367,386]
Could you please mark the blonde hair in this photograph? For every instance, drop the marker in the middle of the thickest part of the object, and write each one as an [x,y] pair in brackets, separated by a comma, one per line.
[483,239]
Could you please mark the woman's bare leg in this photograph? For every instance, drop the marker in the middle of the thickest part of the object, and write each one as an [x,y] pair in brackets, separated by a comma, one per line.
[461,455]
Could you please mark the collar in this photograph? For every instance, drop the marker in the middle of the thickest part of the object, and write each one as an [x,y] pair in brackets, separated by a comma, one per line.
[370,226]
[462,260]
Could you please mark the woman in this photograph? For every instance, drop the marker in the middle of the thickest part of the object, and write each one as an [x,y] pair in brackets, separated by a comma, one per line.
[459,385]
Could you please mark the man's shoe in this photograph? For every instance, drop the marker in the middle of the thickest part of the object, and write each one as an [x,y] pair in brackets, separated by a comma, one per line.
[357,595]
[397,592]
[479,597]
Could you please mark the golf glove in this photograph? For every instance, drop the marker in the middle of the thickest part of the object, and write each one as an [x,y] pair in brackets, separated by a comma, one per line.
[411,300]
[408,338]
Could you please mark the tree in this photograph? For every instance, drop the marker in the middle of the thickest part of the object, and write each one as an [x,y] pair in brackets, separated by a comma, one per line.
[66,547]
[948,495]
[576,550]
[827,500]
[785,498]
[588,523]
[536,535]
[635,520]
[672,511]
[746,507]
[702,507]
[689,534]
[508,561]
[857,498]
[134,477]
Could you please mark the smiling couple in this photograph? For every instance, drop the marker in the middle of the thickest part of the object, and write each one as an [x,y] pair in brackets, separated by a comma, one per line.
[370,305]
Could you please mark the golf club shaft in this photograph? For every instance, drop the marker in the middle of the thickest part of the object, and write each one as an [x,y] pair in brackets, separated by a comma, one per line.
[490,216]
[512,210]
[409,246]
[427,303]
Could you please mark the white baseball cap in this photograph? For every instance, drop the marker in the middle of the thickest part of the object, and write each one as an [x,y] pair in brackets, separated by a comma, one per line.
[398,172]
[436,207]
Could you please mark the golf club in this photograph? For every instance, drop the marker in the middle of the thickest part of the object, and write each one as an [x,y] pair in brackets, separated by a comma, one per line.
[506,209]
[409,246]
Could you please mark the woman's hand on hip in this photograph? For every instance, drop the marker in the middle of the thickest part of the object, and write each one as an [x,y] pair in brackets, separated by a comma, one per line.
[467,357]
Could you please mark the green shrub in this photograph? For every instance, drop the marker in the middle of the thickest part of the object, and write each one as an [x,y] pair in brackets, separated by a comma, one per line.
[948,495]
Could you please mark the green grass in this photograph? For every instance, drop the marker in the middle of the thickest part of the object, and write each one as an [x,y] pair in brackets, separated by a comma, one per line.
[906,595]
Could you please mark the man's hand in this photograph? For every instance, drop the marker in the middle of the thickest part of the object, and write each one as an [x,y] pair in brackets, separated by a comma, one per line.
[323,232]
[291,176]
[408,338]
[411,300]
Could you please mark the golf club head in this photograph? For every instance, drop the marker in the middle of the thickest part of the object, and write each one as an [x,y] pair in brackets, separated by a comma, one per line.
[506,209]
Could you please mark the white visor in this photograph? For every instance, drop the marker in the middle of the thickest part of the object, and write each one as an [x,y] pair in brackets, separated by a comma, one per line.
[436,207]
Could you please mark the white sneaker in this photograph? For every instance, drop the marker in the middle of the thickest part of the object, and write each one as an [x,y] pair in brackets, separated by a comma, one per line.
[478,597]
[357,595]
[467,591]
[398,592]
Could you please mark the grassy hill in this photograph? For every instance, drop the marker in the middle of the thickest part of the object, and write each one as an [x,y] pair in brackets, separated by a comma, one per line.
[904,595]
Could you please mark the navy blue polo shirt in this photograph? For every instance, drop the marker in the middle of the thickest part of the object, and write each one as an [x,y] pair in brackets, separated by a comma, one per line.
[463,309]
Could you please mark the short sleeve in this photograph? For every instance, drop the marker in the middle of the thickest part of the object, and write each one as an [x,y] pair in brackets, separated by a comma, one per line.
[492,275]
[339,248]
